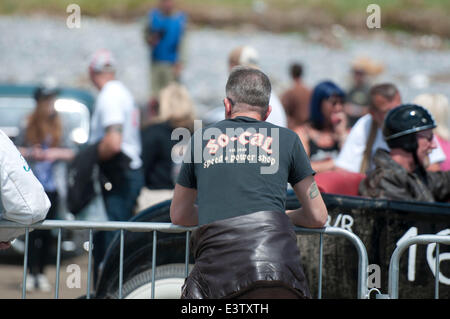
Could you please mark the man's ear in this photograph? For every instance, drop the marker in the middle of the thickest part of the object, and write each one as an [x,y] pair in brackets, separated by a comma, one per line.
[228,108]
[269,110]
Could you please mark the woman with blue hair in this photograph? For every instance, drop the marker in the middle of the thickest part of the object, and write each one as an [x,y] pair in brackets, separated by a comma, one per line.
[326,131]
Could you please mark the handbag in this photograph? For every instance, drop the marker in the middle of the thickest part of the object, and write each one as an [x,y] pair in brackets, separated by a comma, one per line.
[81,178]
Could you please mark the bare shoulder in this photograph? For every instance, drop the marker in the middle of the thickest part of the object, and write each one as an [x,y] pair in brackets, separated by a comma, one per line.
[303,133]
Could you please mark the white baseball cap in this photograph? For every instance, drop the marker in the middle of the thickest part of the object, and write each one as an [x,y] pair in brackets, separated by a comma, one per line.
[102,61]
[249,56]
[244,55]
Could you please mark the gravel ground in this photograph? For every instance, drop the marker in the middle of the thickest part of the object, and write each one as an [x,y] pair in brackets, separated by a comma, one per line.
[11,280]
[38,46]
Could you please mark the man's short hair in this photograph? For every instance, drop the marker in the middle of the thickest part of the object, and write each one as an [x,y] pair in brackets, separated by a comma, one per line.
[248,87]
[296,70]
[387,90]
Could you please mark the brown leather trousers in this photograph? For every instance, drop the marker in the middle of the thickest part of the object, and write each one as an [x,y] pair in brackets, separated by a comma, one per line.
[240,254]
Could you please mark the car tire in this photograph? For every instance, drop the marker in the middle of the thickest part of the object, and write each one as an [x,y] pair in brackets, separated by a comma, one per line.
[168,278]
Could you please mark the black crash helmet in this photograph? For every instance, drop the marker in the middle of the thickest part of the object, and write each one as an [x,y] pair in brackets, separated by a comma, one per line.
[401,124]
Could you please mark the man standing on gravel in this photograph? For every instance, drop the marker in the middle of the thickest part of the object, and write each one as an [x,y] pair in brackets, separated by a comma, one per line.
[164,35]
[115,129]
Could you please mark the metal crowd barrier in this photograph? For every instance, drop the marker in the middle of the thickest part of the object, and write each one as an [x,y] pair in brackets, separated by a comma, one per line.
[362,291]
[363,261]
[395,261]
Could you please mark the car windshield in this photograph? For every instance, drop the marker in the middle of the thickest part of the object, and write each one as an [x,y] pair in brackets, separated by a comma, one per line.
[74,115]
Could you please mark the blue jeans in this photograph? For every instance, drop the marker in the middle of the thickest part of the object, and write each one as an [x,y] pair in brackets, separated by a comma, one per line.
[119,204]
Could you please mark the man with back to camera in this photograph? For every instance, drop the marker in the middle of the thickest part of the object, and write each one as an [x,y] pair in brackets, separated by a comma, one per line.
[366,136]
[400,174]
[115,128]
[238,169]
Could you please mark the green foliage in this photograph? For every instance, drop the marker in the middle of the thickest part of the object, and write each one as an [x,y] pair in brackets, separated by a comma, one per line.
[337,10]
[338,7]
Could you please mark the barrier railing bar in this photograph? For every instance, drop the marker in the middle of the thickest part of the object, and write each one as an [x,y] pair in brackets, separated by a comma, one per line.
[153,265]
[25,263]
[121,265]
[106,226]
[186,260]
[319,294]
[436,276]
[88,289]
[58,264]
[401,247]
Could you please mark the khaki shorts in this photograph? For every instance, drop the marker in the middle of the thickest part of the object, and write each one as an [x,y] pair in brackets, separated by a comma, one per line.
[162,73]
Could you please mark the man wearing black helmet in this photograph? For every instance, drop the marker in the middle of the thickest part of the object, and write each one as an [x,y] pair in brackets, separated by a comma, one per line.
[401,173]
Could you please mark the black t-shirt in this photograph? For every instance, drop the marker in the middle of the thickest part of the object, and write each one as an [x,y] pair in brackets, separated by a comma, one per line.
[240,166]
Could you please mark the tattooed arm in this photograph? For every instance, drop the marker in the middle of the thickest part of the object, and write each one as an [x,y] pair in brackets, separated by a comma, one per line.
[313,213]
[111,142]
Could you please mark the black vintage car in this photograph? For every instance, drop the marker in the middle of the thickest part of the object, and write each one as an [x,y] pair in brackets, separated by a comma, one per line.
[380,224]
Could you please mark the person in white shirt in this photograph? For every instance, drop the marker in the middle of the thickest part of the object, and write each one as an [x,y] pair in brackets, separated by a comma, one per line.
[23,199]
[115,128]
[366,136]
[248,56]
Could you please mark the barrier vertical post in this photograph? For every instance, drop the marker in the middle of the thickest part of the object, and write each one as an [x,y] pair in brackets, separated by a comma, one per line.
[25,262]
[121,265]
[320,266]
[88,292]
[153,264]
[58,264]
[186,261]
[436,276]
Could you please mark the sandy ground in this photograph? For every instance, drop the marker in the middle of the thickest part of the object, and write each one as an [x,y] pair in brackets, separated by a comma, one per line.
[11,280]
